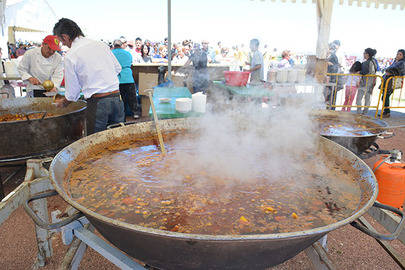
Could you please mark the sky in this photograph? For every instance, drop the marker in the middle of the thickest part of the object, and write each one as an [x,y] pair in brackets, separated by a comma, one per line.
[281,25]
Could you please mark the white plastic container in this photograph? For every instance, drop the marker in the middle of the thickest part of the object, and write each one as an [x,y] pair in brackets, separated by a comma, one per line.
[282,76]
[292,75]
[10,67]
[183,105]
[199,102]
[301,75]
[271,75]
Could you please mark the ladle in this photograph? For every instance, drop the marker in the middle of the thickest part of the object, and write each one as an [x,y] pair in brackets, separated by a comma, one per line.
[155,119]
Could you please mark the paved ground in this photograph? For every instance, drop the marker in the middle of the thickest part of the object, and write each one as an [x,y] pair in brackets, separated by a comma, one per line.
[348,248]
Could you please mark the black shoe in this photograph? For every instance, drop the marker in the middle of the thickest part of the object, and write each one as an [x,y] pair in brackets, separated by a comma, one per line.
[386,115]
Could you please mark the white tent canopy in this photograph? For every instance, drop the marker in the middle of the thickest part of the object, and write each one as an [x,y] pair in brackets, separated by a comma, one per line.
[368,3]
[324,15]
[33,14]
[24,15]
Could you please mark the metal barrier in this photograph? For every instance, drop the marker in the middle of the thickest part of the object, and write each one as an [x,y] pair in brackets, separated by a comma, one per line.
[397,83]
[370,78]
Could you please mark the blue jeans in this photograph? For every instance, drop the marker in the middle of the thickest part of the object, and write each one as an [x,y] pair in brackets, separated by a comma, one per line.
[104,111]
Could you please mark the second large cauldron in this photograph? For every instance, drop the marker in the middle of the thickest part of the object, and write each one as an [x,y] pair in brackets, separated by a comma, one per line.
[173,250]
[29,137]
[357,142]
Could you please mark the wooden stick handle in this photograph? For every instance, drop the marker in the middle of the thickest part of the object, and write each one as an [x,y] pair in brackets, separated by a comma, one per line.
[155,118]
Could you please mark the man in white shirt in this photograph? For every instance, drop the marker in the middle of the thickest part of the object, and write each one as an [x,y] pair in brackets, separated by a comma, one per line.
[256,63]
[91,68]
[41,64]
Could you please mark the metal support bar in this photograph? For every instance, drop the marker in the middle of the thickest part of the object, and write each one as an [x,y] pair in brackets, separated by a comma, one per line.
[169,39]
[17,197]
[387,247]
[318,256]
[20,195]
[107,251]
[75,254]
[40,207]
[2,194]
[388,220]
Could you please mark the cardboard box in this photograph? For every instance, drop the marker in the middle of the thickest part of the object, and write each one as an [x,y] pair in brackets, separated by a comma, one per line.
[147,81]
[178,81]
[145,105]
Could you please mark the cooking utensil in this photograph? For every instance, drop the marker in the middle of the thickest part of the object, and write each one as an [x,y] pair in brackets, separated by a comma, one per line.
[48,85]
[155,118]
[173,250]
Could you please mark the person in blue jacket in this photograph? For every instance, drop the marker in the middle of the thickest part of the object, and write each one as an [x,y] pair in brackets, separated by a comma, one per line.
[397,68]
[127,84]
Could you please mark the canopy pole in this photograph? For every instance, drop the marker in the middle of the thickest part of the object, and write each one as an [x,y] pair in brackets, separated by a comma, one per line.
[324,15]
[169,39]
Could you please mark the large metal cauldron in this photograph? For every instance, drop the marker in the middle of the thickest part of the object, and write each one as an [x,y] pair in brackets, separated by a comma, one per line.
[171,250]
[358,144]
[20,140]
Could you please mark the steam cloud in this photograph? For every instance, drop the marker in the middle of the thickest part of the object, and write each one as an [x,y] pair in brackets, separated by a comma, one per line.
[245,142]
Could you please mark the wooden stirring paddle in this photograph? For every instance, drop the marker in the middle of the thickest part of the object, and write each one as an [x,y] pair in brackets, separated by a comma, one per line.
[155,118]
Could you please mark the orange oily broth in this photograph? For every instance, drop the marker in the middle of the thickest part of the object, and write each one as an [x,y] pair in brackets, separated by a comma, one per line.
[20,116]
[339,127]
[131,183]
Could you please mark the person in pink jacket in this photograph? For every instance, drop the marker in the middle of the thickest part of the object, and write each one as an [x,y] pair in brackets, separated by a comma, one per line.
[352,84]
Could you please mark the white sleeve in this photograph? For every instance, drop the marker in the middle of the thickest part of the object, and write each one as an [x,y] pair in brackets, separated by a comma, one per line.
[24,66]
[57,75]
[72,84]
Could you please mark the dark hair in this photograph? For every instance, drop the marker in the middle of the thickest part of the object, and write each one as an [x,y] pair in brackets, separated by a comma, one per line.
[138,38]
[356,67]
[336,42]
[142,53]
[370,52]
[402,51]
[255,41]
[67,27]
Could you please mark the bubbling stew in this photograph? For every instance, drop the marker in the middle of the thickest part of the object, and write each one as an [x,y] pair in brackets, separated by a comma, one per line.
[132,182]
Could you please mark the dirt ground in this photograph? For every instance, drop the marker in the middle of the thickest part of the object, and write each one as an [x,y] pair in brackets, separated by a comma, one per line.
[348,247]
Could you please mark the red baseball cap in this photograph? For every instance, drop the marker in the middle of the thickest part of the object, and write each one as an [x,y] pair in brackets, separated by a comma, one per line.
[53,42]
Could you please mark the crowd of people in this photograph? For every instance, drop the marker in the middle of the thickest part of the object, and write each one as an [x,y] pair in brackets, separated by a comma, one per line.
[94,78]
[362,80]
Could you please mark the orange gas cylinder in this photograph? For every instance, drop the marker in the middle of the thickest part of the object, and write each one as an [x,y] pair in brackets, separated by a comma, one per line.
[391,183]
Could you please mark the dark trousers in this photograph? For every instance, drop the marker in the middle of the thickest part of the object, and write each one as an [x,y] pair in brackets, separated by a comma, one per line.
[104,111]
[328,91]
[128,95]
[387,100]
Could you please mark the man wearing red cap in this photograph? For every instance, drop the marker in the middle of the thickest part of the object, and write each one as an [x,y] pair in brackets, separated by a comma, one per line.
[41,64]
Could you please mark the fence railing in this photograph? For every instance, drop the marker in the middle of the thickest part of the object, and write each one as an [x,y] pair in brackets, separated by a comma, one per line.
[392,86]
[369,83]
